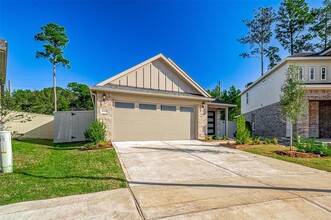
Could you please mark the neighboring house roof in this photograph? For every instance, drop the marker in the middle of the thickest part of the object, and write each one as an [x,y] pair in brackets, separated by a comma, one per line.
[152,92]
[323,55]
[170,63]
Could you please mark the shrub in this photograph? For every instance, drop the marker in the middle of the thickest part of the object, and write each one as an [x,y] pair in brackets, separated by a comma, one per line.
[256,140]
[224,137]
[274,140]
[311,146]
[216,137]
[243,134]
[208,138]
[96,132]
[266,141]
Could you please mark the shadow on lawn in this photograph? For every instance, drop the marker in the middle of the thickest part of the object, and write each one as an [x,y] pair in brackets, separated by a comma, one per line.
[49,144]
[72,177]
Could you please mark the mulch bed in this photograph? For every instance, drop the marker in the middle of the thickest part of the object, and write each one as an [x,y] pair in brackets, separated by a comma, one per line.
[98,147]
[296,154]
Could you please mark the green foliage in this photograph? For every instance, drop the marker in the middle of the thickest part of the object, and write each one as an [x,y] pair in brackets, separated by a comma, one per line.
[230,96]
[224,137]
[273,56]
[256,140]
[96,133]
[266,141]
[311,146]
[75,97]
[215,137]
[321,27]
[208,138]
[259,36]
[243,134]
[274,140]
[57,39]
[293,18]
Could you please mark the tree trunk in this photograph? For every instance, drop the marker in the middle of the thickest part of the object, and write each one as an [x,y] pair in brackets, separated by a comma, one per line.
[291,137]
[262,63]
[54,87]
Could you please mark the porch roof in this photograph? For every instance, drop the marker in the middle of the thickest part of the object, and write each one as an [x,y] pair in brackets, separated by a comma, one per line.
[219,104]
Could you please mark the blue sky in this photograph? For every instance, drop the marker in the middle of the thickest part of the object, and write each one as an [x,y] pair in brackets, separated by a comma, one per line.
[107,37]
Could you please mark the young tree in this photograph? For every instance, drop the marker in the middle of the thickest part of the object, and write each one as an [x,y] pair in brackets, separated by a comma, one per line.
[259,35]
[293,18]
[321,27]
[57,39]
[293,98]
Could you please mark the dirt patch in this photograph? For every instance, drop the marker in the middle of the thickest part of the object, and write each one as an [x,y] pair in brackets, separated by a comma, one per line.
[105,145]
[296,154]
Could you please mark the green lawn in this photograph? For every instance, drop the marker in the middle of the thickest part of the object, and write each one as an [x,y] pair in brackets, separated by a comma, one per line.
[43,170]
[317,163]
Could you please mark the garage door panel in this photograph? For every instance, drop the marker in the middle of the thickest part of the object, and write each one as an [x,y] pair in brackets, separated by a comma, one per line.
[137,124]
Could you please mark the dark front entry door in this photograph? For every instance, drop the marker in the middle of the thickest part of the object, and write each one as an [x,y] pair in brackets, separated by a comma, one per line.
[211,123]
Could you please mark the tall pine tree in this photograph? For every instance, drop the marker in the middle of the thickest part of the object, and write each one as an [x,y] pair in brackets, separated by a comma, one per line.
[321,27]
[293,18]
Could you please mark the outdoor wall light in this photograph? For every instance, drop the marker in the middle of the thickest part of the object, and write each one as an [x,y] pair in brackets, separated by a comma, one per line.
[104,97]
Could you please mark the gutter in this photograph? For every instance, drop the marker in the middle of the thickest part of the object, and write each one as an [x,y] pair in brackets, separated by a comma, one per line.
[94,88]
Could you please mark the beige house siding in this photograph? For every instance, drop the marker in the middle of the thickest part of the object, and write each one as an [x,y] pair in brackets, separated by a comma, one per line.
[155,75]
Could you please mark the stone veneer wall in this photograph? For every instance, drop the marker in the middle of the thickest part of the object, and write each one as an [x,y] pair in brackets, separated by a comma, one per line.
[202,110]
[106,105]
[267,121]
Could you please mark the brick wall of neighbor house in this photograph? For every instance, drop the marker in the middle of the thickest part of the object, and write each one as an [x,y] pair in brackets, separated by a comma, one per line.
[267,121]
[325,119]
[324,116]
[202,120]
[104,111]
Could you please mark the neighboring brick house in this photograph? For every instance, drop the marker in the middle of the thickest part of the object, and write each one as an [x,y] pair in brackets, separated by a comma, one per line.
[260,101]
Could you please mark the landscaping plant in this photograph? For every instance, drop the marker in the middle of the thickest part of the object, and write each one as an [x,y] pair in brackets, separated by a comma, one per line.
[243,134]
[96,133]
[266,141]
[307,145]
[256,140]
[224,137]
[274,140]
[216,137]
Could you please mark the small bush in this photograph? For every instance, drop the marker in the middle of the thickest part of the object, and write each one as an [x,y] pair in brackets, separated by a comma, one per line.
[311,146]
[208,138]
[274,140]
[216,137]
[96,133]
[224,137]
[256,140]
[266,141]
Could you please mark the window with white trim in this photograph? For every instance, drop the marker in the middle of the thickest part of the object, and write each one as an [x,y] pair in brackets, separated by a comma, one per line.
[247,98]
[323,73]
[301,71]
[311,73]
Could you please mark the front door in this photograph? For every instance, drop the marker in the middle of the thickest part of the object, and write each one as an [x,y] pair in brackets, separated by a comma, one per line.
[211,123]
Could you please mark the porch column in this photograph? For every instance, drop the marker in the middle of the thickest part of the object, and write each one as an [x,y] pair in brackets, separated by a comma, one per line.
[227,121]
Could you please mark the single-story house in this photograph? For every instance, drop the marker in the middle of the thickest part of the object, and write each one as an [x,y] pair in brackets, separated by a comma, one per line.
[157,100]
[260,102]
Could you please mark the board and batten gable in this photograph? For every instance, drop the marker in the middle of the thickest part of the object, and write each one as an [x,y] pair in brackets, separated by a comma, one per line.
[267,90]
[156,74]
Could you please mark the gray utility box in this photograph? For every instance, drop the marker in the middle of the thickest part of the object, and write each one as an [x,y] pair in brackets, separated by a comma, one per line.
[69,126]
[6,155]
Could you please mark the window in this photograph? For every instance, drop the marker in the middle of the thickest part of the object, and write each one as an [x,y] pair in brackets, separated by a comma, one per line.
[168,108]
[312,73]
[323,73]
[186,109]
[301,71]
[124,105]
[247,98]
[147,106]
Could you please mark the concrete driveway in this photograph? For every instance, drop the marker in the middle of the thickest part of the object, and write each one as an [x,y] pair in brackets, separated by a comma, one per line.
[198,180]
